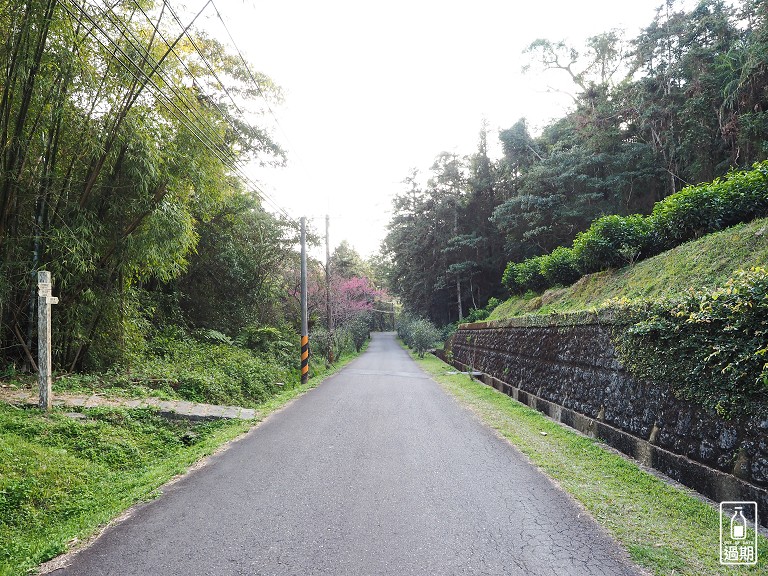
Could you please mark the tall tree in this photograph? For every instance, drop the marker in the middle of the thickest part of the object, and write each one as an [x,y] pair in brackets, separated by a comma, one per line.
[347,263]
[675,102]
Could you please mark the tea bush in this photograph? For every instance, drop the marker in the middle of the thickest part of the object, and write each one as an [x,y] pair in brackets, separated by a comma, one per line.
[559,267]
[478,314]
[475,315]
[615,241]
[611,242]
[698,210]
[526,275]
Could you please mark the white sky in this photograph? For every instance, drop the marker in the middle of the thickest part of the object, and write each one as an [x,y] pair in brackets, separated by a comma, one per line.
[375,88]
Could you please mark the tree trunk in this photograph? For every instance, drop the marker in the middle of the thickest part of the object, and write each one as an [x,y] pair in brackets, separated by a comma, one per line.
[458,299]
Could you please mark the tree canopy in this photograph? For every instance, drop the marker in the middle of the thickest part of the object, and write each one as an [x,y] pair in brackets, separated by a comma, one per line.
[682,103]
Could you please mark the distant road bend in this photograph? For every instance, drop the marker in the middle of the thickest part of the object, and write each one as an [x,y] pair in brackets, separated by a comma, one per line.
[375,472]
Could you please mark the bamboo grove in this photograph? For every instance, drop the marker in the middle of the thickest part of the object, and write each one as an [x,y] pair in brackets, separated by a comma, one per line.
[122,134]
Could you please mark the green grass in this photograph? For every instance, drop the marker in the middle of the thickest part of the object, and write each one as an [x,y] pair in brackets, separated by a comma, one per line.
[706,262]
[665,529]
[62,478]
[138,384]
[195,371]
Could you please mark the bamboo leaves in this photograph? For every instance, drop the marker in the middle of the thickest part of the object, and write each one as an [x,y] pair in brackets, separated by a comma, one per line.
[118,136]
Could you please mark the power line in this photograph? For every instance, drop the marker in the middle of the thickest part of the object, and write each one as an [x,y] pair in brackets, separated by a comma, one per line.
[258,85]
[197,114]
[223,86]
[183,63]
[146,78]
[255,82]
[177,113]
[229,95]
[137,46]
[143,77]
[202,56]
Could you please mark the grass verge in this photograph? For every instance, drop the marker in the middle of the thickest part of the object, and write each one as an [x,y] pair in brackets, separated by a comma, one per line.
[666,529]
[118,384]
[61,478]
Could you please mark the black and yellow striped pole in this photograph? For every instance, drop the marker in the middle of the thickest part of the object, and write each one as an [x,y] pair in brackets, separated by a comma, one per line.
[304,359]
[304,318]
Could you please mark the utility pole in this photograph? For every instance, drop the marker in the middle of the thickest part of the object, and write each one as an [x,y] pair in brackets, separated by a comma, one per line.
[328,288]
[304,318]
[457,192]
[44,301]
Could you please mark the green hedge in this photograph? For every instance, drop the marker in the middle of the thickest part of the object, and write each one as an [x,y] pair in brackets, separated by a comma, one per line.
[612,242]
[699,210]
[525,275]
[615,241]
[559,267]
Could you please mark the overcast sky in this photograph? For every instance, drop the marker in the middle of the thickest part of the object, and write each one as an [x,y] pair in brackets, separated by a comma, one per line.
[375,88]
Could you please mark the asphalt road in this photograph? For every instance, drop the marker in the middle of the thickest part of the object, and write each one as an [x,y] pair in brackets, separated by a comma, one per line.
[375,472]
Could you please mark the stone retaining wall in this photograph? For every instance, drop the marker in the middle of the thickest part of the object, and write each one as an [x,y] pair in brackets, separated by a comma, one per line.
[569,370]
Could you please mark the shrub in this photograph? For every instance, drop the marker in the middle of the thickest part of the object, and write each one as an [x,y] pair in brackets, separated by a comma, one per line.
[345,338]
[688,214]
[404,328]
[342,338]
[417,333]
[698,210]
[424,336]
[509,279]
[478,314]
[522,276]
[449,330]
[320,343]
[615,241]
[611,242]
[745,194]
[213,373]
[360,330]
[559,268]
[212,337]
[278,341]
[529,274]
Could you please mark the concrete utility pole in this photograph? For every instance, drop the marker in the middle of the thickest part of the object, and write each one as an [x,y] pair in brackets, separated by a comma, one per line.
[328,287]
[304,318]
[44,301]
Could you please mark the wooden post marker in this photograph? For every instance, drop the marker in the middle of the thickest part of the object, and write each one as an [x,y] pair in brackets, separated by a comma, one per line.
[44,301]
